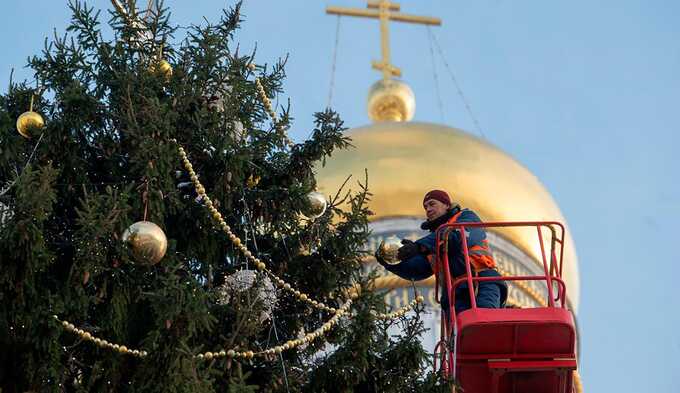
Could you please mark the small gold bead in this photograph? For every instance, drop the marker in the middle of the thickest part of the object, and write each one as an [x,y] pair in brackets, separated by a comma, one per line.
[278,349]
[287,345]
[200,356]
[135,352]
[286,286]
[208,355]
[224,226]
[64,324]
[236,241]
[303,296]
[116,347]
[247,253]
[249,354]
[223,353]
[231,353]
[123,349]
[87,336]
[144,353]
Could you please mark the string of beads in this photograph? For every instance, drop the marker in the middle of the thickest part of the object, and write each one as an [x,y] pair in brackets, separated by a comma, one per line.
[231,353]
[101,343]
[400,312]
[268,106]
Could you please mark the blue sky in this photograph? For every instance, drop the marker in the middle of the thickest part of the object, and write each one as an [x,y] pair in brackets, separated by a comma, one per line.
[585,94]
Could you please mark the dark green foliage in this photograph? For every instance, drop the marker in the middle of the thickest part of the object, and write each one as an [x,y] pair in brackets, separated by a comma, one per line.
[106,160]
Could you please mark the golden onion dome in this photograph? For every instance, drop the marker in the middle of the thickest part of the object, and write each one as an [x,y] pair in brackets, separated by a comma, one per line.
[406,159]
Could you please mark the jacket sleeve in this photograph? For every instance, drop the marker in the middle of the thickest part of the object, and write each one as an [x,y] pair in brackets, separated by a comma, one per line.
[415,268]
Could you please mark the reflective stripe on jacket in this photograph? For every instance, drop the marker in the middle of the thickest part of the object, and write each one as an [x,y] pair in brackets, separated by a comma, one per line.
[479,252]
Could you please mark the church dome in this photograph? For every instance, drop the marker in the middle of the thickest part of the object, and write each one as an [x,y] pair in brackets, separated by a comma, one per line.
[406,159]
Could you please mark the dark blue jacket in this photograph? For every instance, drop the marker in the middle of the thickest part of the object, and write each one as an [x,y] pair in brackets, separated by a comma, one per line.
[418,267]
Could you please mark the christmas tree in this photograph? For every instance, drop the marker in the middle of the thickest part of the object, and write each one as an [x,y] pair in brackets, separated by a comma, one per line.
[160,232]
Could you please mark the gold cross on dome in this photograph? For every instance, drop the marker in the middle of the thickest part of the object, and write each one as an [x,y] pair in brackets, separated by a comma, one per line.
[385,11]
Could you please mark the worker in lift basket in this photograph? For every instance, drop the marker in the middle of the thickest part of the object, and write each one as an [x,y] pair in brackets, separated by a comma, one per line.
[417,258]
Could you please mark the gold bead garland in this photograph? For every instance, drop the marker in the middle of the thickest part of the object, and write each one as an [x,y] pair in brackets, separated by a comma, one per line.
[400,312]
[290,344]
[101,343]
[268,106]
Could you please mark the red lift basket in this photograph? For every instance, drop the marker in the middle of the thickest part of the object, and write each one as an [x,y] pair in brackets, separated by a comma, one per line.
[511,349]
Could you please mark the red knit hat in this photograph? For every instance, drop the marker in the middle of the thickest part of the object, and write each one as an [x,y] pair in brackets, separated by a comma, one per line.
[438,195]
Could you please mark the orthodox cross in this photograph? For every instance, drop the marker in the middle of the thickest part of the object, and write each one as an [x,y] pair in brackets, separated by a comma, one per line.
[385,11]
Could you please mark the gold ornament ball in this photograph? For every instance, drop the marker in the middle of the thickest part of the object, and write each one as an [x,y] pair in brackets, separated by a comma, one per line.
[315,205]
[147,241]
[28,123]
[163,68]
[387,250]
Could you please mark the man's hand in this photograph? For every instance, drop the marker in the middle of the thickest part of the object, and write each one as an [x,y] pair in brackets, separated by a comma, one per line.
[409,250]
[378,257]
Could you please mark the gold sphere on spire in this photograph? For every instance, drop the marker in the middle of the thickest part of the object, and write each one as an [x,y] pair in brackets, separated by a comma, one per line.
[391,100]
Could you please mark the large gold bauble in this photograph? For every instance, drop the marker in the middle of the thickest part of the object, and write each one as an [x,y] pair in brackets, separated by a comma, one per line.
[147,241]
[315,205]
[28,123]
[162,68]
[387,250]
[391,100]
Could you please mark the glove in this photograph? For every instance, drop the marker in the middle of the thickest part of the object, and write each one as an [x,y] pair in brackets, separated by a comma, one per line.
[379,258]
[409,250]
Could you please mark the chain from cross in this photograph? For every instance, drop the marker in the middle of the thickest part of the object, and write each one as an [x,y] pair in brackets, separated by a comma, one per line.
[385,11]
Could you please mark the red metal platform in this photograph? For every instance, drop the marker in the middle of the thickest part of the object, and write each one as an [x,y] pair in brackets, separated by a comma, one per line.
[510,350]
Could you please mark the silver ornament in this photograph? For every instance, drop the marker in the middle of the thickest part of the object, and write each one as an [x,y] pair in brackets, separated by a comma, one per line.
[315,205]
[387,250]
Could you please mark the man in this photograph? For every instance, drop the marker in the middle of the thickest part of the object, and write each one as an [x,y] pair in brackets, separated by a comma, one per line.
[417,258]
